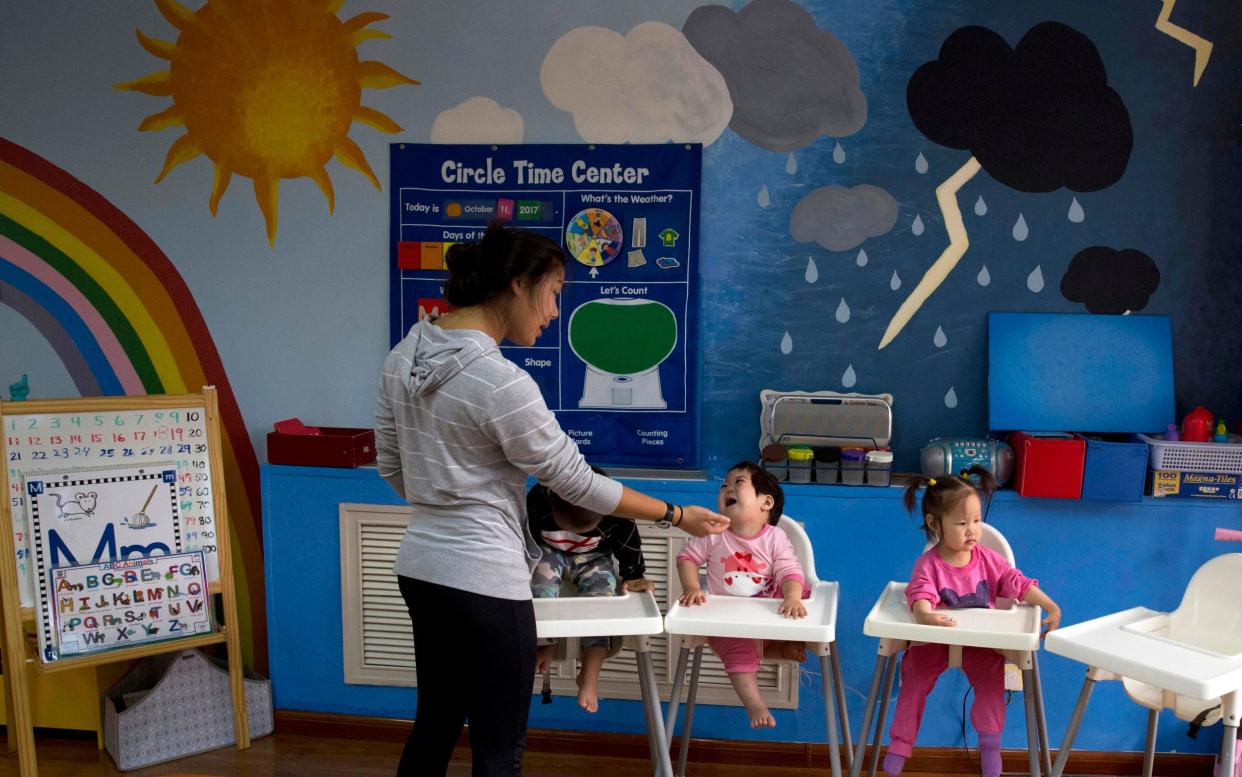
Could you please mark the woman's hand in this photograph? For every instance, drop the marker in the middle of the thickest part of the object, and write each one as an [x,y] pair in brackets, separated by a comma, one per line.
[692,596]
[700,522]
[641,584]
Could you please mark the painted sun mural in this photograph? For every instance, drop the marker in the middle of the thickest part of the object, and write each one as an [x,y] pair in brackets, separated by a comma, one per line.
[267,91]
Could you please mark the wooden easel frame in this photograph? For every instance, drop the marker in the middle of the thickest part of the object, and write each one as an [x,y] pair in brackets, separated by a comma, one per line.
[20,651]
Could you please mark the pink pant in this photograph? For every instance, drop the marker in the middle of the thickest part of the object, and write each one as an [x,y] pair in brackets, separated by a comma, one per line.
[737,654]
[921,667]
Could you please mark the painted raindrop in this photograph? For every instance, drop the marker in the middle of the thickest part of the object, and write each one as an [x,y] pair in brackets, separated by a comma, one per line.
[1035,281]
[1076,214]
[791,164]
[812,272]
[1020,230]
[920,164]
[950,399]
[843,311]
[981,207]
[894,283]
[984,277]
[848,378]
[862,258]
[764,199]
[940,339]
[786,344]
[917,226]
[838,154]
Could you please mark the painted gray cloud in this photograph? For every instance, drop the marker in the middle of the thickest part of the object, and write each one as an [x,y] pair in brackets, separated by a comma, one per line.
[790,80]
[840,219]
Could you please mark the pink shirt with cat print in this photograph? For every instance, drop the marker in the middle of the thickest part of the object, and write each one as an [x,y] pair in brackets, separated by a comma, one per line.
[737,566]
[978,584]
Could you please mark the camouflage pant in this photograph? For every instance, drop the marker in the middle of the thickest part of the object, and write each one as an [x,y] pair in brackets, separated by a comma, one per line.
[592,573]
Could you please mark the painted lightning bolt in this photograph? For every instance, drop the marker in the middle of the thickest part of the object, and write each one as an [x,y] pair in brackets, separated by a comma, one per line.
[946,195]
[1202,47]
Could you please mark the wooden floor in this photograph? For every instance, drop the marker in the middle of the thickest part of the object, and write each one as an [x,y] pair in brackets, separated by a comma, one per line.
[293,755]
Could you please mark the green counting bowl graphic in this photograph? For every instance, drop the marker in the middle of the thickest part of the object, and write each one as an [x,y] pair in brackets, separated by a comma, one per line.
[622,342]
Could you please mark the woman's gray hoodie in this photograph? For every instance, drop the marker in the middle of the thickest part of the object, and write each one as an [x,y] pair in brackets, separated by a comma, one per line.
[458,428]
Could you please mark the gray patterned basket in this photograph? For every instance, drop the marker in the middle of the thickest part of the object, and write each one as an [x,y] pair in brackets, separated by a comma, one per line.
[177,704]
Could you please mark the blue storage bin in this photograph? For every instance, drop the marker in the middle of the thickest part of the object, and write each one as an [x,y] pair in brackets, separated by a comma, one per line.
[1114,471]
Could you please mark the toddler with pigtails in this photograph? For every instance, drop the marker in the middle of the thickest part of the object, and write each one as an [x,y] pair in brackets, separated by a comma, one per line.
[957,571]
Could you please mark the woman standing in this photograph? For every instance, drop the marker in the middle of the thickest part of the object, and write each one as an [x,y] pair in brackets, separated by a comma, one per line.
[459,428]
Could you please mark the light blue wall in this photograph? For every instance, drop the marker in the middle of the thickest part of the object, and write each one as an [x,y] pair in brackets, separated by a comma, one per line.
[302,328]
[1091,557]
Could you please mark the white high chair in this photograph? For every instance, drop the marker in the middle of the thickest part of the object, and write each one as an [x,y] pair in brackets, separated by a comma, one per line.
[1011,628]
[1189,660]
[755,618]
[634,616]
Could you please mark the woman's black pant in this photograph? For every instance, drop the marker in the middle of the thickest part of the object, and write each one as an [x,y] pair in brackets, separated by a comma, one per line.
[476,661]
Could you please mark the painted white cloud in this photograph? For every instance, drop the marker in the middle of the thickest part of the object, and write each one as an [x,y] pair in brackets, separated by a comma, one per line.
[649,86]
[478,120]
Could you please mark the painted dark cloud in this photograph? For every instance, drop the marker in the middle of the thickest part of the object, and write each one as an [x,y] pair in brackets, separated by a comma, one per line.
[1110,281]
[790,81]
[1038,116]
[839,218]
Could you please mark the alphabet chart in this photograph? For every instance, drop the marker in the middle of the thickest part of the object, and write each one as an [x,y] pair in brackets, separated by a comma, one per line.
[88,517]
[122,603]
[40,443]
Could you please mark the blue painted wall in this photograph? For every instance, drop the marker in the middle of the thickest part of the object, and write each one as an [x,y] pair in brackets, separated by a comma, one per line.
[1091,557]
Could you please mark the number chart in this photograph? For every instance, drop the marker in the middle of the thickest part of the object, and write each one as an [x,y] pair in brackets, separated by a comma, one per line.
[56,442]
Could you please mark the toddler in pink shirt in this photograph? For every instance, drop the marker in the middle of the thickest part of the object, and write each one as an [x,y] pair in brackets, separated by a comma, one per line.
[957,572]
[752,558]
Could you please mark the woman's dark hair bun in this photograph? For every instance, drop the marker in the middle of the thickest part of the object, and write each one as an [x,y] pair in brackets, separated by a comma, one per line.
[464,284]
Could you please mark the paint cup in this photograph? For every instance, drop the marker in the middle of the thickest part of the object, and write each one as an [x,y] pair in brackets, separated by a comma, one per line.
[800,460]
[827,465]
[775,458]
[853,466]
[879,467]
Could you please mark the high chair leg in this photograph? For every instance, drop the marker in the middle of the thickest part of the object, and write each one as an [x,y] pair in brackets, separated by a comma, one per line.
[830,716]
[1040,719]
[1032,728]
[688,723]
[890,674]
[842,710]
[1149,749]
[1228,746]
[655,724]
[860,749]
[1088,685]
[674,696]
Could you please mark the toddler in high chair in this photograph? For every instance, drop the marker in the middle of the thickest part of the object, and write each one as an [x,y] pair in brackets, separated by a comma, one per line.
[752,558]
[581,545]
[957,571]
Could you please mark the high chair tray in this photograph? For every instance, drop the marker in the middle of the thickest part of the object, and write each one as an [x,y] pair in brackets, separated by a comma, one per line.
[1013,627]
[598,616]
[755,618]
[1118,643]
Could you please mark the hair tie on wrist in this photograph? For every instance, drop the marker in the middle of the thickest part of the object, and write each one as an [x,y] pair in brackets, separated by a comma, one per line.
[668,512]
[681,513]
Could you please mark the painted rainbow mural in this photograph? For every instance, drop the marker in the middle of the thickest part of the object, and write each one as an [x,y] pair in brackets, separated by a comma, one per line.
[123,321]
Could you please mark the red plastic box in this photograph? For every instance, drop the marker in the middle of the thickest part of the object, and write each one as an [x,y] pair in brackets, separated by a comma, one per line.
[1048,464]
[332,447]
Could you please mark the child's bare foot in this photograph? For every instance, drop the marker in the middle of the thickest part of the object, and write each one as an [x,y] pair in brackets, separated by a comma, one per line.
[588,692]
[544,656]
[588,677]
[760,716]
[785,651]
